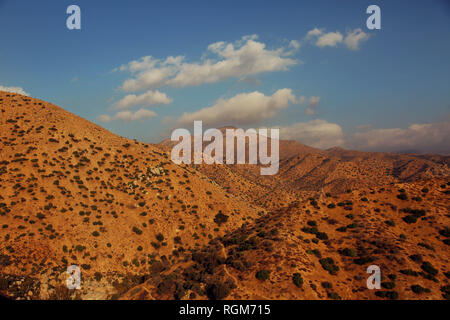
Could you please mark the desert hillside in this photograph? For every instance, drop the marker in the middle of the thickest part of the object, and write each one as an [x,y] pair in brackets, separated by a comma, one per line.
[74,193]
[305,171]
[141,227]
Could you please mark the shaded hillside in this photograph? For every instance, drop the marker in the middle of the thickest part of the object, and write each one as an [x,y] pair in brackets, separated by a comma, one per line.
[321,248]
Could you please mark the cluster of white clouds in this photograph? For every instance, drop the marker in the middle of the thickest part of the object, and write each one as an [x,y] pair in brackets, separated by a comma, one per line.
[18,90]
[242,109]
[147,99]
[424,137]
[420,138]
[243,58]
[352,39]
[128,116]
[223,60]
[317,133]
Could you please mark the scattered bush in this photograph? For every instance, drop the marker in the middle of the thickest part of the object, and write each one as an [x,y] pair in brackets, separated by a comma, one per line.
[297,279]
[418,289]
[263,275]
[220,218]
[428,268]
[218,290]
[328,264]
[388,285]
[392,295]
[349,252]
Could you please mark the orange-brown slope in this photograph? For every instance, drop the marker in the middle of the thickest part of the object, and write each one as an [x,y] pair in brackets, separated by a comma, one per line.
[71,192]
[320,249]
[305,170]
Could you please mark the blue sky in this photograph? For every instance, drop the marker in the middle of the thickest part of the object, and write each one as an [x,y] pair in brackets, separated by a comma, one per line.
[389,92]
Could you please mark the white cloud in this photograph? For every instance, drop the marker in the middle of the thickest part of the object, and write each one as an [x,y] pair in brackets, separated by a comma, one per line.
[151,97]
[354,38]
[330,39]
[429,137]
[241,59]
[18,90]
[128,116]
[104,118]
[363,127]
[313,33]
[313,102]
[242,109]
[420,138]
[294,44]
[316,133]
[138,115]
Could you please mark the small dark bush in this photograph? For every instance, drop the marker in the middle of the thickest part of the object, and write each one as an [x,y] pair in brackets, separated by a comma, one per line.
[220,218]
[263,275]
[349,252]
[218,290]
[428,268]
[328,264]
[392,295]
[402,196]
[297,279]
[388,285]
[419,289]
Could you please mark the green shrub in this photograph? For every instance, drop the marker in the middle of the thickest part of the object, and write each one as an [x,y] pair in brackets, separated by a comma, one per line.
[390,223]
[409,272]
[428,268]
[349,252]
[263,275]
[218,290]
[402,196]
[334,296]
[220,218]
[392,295]
[363,260]
[388,285]
[445,232]
[312,223]
[297,279]
[160,237]
[418,289]
[321,236]
[416,258]
[328,264]
[410,219]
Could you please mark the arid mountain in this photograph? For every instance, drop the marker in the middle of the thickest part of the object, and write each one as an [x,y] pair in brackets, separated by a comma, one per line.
[320,249]
[141,227]
[305,171]
[73,193]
